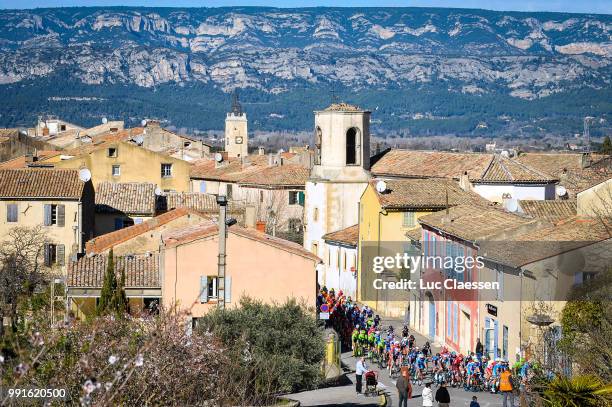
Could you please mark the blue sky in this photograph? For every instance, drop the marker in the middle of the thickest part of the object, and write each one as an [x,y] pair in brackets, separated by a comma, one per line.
[574,6]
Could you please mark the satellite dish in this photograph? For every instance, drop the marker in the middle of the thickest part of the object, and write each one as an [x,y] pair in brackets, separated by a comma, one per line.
[218,157]
[143,122]
[560,190]
[104,120]
[381,186]
[84,174]
[158,191]
[139,139]
[512,205]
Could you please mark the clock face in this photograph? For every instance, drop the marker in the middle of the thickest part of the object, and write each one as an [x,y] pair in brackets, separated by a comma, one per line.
[238,140]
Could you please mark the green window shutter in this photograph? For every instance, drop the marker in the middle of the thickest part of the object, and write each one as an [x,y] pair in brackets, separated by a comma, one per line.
[47,208]
[60,254]
[61,215]
[301,198]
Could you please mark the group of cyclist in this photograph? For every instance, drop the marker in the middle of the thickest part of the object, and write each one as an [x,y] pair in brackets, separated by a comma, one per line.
[361,329]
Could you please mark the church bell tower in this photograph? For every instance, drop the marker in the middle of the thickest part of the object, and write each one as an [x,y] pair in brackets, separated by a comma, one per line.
[236,136]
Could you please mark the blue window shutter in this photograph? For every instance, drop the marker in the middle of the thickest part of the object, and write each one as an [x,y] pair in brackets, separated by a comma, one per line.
[203,289]
[203,187]
[61,215]
[47,208]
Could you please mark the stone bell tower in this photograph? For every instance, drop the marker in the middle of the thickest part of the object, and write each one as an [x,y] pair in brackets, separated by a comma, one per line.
[340,173]
[236,136]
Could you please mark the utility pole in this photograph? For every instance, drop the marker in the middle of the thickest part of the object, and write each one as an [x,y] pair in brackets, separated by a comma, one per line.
[222,202]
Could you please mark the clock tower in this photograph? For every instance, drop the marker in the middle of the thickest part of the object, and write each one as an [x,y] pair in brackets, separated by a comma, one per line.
[236,137]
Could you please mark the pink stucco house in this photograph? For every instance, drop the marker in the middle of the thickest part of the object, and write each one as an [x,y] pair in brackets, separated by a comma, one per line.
[258,265]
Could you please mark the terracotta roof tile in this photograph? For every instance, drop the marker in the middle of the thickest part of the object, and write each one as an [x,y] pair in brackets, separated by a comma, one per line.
[207,229]
[550,210]
[430,164]
[349,236]
[41,183]
[474,222]
[141,271]
[342,107]
[423,193]
[286,175]
[20,162]
[506,170]
[232,170]
[194,200]
[127,197]
[106,241]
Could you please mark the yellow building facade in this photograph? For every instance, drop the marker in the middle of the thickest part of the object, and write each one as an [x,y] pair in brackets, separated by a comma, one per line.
[123,161]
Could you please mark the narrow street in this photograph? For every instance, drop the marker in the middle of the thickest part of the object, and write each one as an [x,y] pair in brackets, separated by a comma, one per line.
[345,395]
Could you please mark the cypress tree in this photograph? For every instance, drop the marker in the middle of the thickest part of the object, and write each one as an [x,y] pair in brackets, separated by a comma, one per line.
[109,286]
[120,302]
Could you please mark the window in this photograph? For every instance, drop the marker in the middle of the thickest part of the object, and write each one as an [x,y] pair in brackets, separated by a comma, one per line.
[166,170]
[293,197]
[318,140]
[121,223]
[315,214]
[55,254]
[62,127]
[11,212]
[229,191]
[338,258]
[351,157]
[112,152]
[505,333]
[261,196]
[54,215]
[409,219]
[116,170]
[203,187]
[344,260]
[208,288]
[186,144]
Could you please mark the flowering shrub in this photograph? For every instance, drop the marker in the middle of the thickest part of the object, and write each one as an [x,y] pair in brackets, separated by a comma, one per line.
[122,361]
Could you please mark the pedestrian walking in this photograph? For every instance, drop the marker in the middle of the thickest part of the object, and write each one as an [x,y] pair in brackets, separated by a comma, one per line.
[402,385]
[442,396]
[479,349]
[360,370]
[505,386]
[427,396]
[474,402]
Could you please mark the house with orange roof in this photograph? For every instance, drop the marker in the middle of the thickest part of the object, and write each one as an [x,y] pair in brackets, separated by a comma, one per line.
[56,200]
[273,184]
[189,278]
[115,159]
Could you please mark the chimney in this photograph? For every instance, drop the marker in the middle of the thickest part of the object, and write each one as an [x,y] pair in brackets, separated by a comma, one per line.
[29,158]
[271,160]
[464,182]
[261,151]
[586,160]
[261,226]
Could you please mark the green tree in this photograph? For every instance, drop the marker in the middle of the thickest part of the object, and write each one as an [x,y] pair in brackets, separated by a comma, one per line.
[274,348]
[109,287]
[120,302]
[606,147]
[586,321]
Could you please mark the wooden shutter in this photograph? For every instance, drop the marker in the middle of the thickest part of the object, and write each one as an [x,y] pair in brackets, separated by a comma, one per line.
[11,212]
[203,289]
[47,215]
[228,289]
[60,254]
[47,255]
[61,215]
